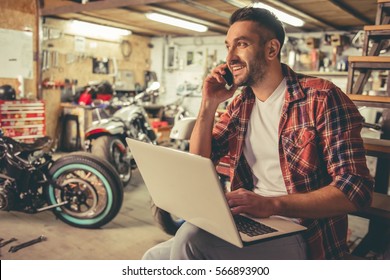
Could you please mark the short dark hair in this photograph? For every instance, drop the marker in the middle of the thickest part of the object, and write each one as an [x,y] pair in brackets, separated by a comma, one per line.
[262,17]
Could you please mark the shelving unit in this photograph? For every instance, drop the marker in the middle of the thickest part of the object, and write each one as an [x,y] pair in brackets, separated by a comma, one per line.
[383,12]
[371,60]
[365,65]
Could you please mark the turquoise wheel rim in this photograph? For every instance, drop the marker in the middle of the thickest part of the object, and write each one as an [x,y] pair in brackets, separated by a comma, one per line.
[105,183]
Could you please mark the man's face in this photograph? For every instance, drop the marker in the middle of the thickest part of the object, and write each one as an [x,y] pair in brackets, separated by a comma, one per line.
[246,54]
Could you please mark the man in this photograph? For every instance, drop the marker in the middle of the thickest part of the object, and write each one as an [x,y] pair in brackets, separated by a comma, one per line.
[294,145]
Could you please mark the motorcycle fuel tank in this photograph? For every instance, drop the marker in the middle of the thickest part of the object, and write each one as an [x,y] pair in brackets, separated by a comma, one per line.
[128,113]
[111,125]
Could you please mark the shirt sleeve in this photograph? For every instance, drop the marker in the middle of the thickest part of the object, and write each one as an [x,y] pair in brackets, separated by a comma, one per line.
[220,137]
[339,124]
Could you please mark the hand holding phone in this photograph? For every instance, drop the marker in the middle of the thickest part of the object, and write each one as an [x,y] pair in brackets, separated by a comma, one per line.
[228,77]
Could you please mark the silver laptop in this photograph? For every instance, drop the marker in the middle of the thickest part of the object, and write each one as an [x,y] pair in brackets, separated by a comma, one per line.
[188,186]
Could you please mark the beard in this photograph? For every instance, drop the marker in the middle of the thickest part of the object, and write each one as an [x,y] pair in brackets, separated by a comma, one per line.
[256,71]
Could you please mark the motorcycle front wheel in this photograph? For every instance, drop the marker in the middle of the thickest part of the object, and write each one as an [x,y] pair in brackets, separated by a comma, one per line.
[88,189]
[113,150]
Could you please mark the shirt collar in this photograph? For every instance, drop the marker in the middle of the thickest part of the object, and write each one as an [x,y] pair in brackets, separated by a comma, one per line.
[294,88]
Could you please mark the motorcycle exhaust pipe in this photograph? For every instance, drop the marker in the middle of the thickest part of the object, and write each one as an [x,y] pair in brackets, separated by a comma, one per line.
[52,206]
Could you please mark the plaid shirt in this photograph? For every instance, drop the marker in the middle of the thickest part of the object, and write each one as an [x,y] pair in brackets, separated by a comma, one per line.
[319,144]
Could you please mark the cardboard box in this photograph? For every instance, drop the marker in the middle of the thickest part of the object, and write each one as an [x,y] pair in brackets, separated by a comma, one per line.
[313,43]
[163,133]
[338,40]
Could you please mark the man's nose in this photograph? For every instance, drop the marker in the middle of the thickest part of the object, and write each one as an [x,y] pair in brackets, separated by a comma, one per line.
[231,55]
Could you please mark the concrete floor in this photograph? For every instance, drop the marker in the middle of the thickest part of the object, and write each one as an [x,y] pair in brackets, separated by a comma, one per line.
[126,237]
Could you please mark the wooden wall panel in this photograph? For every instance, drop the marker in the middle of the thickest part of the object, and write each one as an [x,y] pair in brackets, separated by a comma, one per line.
[78,65]
[21,15]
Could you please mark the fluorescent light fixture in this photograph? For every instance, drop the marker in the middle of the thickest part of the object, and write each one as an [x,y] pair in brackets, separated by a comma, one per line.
[176,22]
[291,20]
[282,16]
[88,29]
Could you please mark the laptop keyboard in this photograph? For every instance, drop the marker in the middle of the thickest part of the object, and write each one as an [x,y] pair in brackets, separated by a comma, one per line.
[251,227]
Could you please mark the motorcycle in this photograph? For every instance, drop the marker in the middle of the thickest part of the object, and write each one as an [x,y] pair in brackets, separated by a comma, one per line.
[81,190]
[95,91]
[106,137]
[172,114]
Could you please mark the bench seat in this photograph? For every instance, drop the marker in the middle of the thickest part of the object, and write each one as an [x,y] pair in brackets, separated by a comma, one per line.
[378,211]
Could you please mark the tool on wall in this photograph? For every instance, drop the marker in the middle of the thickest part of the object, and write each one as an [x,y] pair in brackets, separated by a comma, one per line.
[50,59]
[45,54]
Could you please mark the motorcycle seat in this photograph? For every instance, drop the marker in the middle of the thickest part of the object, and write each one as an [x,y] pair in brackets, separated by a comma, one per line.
[39,144]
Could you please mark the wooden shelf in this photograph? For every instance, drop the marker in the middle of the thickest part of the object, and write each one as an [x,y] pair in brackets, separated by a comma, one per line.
[383,27]
[369,59]
[370,100]
[379,209]
[318,73]
[377,147]
[381,201]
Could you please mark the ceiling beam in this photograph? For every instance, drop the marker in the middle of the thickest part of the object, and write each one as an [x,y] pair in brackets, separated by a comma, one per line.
[108,22]
[206,8]
[93,6]
[115,23]
[348,9]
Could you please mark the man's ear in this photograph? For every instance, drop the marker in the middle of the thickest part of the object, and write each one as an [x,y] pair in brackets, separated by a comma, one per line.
[273,48]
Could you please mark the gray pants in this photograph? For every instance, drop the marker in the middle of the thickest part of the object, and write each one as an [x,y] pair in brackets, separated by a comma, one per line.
[193,243]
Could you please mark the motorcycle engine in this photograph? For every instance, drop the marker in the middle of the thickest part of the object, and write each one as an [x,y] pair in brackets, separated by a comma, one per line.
[7,193]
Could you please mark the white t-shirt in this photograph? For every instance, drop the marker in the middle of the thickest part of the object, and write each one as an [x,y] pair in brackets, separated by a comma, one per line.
[261,144]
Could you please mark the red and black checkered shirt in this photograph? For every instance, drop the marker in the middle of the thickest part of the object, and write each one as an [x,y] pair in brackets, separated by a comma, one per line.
[319,144]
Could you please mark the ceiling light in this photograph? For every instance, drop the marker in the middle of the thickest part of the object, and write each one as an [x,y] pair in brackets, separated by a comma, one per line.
[282,16]
[88,29]
[291,20]
[176,22]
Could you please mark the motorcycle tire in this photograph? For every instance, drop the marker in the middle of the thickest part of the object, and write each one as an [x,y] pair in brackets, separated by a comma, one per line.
[165,220]
[90,185]
[111,148]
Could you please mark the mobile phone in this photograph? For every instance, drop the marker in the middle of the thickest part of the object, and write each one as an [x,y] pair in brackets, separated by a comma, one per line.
[228,77]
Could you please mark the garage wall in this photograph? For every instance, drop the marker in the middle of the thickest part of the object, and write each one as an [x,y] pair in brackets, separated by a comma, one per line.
[75,59]
[194,57]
